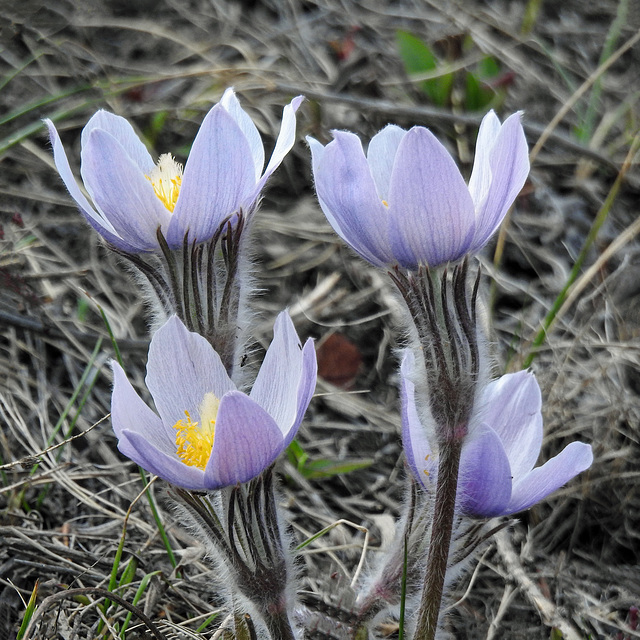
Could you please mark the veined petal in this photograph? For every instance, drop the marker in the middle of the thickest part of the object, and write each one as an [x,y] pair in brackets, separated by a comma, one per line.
[169,467]
[247,441]
[130,413]
[540,482]
[121,191]
[182,368]
[484,485]
[123,132]
[305,389]
[276,386]
[286,138]
[348,193]
[512,406]
[430,210]
[381,155]
[480,179]
[96,220]
[219,174]
[243,120]
[508,162]
[414,435]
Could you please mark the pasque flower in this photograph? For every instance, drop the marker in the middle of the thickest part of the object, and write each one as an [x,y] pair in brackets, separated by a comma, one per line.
[406,202]
[497,474]
[133,197]
[207,434]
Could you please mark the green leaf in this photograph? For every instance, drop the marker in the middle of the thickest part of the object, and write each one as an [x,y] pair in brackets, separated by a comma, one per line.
[418,59]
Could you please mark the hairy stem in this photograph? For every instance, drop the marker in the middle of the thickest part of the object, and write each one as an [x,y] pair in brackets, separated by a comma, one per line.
[438,558]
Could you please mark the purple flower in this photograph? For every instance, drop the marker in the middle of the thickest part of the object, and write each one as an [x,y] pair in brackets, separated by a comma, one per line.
[406,202]
[496,467]
[133,197]
[207,434]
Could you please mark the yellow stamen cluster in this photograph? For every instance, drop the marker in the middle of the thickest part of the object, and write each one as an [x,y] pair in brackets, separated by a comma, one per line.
[195,439]
[166,179]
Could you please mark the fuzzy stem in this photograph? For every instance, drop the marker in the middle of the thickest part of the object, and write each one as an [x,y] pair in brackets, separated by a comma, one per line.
[279,626]
[438,558]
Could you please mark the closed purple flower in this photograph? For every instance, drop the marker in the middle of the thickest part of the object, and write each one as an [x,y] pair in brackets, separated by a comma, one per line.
[133,197]
[406,202]
[497,474]
[207,434]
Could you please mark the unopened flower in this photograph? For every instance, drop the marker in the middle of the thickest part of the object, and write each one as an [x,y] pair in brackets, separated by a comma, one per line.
[133,197]
[406,202]
[207,434]
[497,474]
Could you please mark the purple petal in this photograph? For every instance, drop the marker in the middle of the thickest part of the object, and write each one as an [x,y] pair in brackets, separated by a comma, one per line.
[246,442]
[349,198]
[277,383]
[480,180]
[540,482]
[484,485]
[511,406]
[123,132]
[218,175]
[99,223]
[286,138]
[509,167]
[130,413]
[182,368]
[431,211]
[414,436]
[243,120]
[305,390]
[381,155]
[166,466]
[121,191]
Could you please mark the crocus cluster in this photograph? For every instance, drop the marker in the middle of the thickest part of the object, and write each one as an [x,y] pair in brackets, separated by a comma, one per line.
[497,474]
[405,203]
[206,433]
[133,197]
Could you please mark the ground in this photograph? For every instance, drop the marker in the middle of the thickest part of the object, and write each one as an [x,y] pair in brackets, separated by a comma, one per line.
[567,568]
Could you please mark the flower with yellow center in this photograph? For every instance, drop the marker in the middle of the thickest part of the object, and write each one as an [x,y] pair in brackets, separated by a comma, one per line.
[166,179]
[206,434]
[195,439]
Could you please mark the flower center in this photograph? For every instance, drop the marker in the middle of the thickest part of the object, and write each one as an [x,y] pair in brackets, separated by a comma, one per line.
[166,179]
[195,439]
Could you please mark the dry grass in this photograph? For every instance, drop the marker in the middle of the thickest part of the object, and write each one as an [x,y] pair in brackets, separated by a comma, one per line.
[571,563]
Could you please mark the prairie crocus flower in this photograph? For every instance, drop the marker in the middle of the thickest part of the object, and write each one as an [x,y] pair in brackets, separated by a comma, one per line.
[406,202]
[207,434]
[133,197]
[497,474]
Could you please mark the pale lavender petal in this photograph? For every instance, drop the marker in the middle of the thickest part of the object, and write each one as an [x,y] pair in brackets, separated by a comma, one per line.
[509,166]
[481,174]
[130,413]
[430,209]
[96,220]
[182,368]
[512,407]
[121,191]
[123,132]
[540,482]
[286,138]
[305,389]
[276,386]
[414,435]
[244,121]
[484,486]
[349,197]
[246,442]
[381,155]
[167,466]
[219,174]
